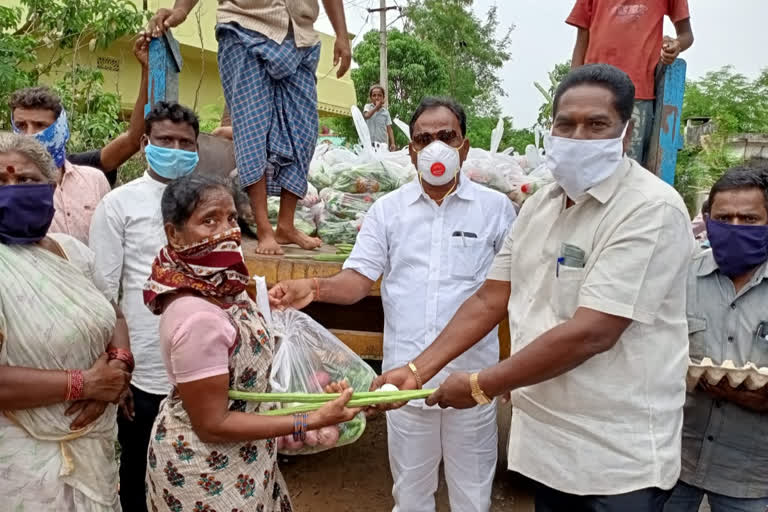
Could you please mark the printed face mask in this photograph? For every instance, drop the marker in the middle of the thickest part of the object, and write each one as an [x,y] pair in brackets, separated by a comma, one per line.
[54,138]
[737,248]
[171,163]
[438,163]
[26,212]
[579,164]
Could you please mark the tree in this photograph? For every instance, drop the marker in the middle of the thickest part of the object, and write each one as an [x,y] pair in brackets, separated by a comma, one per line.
[479,133]
[737,104]
[60,29]
[470,48]
[555,77]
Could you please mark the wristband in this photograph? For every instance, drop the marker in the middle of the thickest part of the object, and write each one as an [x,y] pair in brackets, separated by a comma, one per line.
[317,289]
[75,385]
[300,427]
[122,355]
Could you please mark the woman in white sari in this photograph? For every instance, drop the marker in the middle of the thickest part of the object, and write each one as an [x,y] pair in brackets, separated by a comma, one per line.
[64,352]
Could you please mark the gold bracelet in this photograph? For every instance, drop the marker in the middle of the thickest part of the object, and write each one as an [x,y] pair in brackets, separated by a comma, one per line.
[477,393]
[416,374]
[317,289]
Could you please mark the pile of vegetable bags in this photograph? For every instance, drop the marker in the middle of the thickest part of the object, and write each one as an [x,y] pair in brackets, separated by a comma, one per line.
[308,357]
[515,176]
[350,181]
[308,211]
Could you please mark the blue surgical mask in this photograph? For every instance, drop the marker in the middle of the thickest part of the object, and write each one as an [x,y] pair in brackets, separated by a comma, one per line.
[54,138]
[171,163]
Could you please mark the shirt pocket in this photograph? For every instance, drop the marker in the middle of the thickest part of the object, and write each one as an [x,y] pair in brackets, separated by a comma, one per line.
[759,352]
[697,338]
[565,291]
[466,256]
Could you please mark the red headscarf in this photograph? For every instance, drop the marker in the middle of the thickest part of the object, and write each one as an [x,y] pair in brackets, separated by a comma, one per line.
[213,267]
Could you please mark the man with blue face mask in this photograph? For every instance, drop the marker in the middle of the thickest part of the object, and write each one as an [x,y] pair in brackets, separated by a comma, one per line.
[724,450]
[38,112]
[592,276]
[432,242]
[126,235]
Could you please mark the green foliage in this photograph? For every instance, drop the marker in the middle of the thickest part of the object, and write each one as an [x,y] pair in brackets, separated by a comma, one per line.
[479,134]
[94,115]
[469,46]
[345,127]
[210,117]
[459,60]
[63,29]
[737,104]
[698,169]
[555,77]
[518,139]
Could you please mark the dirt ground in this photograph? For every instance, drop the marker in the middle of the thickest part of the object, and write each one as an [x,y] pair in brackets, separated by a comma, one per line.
[356,477]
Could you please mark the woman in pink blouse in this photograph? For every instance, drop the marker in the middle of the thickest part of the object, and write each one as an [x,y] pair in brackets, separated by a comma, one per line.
[208,452]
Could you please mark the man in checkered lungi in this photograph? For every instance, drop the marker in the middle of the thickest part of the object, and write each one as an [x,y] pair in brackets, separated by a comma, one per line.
[268,55]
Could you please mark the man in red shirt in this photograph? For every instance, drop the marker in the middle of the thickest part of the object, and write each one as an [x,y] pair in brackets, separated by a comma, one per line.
[629,34]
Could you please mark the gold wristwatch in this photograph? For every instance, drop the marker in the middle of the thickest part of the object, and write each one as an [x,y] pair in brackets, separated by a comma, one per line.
[477,393]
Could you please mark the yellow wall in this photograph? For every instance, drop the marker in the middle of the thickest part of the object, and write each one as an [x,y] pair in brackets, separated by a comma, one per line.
[334,96]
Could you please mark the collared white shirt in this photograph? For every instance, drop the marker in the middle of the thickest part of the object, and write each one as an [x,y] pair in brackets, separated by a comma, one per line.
[75,199]
[126,236]
[432,259]
[611,425]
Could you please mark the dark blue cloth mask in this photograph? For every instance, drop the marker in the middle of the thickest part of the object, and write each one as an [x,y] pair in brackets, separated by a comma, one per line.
[737,248]
[26,212]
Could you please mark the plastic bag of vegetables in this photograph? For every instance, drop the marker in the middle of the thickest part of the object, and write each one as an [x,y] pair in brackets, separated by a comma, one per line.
[347,206]
[333,230]
[308,357]
[369,177]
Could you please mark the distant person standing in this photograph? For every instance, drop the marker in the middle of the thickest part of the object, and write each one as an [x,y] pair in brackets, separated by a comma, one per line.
[630,35]
[378,119]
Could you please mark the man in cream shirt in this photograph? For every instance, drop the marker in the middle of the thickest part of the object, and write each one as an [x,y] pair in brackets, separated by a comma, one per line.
[593,277]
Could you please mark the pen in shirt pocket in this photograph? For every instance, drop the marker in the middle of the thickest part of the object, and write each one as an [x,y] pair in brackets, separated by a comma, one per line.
[464,235]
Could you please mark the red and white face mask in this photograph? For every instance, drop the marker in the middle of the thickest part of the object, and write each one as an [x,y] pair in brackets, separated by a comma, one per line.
[438,163]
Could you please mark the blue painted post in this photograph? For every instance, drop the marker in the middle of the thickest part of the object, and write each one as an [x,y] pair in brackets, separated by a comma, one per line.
[164,67]
[667,139]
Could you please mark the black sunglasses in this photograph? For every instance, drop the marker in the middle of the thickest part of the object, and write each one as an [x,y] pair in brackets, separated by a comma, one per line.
[423,140]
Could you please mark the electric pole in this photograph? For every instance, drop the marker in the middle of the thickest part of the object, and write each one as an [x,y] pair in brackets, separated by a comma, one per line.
[383,70]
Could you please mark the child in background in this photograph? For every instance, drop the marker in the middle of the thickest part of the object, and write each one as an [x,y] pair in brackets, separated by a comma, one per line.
[378,119]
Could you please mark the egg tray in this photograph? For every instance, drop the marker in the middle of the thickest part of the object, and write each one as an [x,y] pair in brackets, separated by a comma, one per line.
[752,377]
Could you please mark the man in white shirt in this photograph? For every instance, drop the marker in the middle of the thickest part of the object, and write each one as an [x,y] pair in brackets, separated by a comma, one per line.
[433,241]
[598,263]
[127,234]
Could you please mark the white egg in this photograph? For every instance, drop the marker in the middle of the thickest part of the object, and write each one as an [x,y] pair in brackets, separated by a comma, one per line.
[388,387]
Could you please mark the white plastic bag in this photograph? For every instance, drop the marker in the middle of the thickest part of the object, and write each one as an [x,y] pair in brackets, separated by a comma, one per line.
[403,127]
[308,358]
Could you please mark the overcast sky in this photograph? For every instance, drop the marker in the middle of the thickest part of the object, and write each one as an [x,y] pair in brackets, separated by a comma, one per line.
[727,32]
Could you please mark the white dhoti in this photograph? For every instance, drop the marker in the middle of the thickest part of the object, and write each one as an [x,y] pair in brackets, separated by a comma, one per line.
[465,440]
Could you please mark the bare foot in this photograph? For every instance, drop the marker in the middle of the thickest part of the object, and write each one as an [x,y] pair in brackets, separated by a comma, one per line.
[269,245]
[294,236]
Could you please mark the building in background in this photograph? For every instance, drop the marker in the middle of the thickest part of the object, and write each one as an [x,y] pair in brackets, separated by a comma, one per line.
[199,78]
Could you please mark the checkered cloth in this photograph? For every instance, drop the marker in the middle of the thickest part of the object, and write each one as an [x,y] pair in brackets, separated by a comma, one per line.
[271,92]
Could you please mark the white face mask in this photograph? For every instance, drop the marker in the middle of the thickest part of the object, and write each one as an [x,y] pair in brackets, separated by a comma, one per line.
[579,164]
[438,163]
